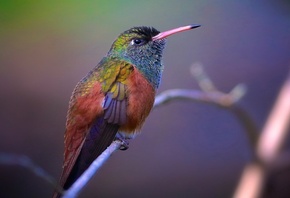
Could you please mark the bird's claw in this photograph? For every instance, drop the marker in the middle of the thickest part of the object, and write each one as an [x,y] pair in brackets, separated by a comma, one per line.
[124,142]
[124,145]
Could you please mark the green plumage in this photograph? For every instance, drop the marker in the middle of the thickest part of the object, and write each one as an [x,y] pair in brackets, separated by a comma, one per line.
[115,96]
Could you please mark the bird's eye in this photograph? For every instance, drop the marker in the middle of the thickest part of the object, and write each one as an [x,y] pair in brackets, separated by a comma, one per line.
[138,41]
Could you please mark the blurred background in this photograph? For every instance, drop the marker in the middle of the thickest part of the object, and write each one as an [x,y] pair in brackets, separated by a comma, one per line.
[186,149]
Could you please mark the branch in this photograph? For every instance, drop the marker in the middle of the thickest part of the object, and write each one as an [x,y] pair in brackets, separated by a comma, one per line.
[275,130]
[268,148]
[209,95]
[24,161]
[75,189]
[215,98]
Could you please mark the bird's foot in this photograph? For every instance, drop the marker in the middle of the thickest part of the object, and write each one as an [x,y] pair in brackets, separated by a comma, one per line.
[124,141]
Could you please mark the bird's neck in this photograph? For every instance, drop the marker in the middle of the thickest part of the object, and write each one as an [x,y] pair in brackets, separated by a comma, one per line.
[150,68]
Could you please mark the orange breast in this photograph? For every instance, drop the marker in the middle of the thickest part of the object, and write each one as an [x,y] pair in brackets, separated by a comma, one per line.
[141,96]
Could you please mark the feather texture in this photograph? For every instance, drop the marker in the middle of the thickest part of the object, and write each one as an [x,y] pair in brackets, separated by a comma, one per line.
[117,95]
[97,108]
[100,135]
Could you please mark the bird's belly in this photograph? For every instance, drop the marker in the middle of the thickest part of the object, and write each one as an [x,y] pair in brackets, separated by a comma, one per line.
[141,96]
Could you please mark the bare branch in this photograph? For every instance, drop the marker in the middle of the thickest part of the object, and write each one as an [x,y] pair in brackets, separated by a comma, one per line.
[248,124]
[75,189]
[211,95]
[208,94]
[216,98]
[269,145]
[22,160]
[251,182]
[203,80]
[275,129]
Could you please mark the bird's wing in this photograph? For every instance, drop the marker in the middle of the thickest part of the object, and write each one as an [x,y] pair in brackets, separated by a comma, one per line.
[97,109]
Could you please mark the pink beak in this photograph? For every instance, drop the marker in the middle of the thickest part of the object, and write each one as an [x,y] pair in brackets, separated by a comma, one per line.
[165,34]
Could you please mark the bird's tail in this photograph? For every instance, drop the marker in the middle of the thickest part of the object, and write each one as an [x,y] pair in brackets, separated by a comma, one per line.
[100,136]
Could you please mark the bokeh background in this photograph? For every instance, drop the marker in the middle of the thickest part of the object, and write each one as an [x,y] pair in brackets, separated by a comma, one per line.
[186,149]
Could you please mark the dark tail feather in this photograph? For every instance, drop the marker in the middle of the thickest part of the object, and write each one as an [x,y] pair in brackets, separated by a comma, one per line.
[98,139]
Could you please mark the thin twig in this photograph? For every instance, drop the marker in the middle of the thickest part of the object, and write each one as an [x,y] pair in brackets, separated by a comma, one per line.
[248,124]
[216,98]
[208,94]
[22,160]
[211,95]
[76,188]
[201,77]
[206,84]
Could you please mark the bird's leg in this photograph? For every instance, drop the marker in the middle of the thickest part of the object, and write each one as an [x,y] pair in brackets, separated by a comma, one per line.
[124,141]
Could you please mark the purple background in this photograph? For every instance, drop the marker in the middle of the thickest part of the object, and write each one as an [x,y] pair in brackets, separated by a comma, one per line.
[186,149]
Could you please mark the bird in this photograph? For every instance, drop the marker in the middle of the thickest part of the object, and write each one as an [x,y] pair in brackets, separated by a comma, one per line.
[114,98]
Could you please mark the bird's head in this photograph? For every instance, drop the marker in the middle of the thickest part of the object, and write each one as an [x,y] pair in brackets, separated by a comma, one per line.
[136,45]
[143,47]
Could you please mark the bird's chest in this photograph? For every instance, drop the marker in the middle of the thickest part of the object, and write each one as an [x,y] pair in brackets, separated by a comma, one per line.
[141,96]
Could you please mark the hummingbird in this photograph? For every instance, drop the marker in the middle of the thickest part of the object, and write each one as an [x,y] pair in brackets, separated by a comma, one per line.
[114,98]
